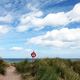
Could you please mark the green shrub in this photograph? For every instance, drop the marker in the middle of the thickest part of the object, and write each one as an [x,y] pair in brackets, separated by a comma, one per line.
[76,67]
[2,67]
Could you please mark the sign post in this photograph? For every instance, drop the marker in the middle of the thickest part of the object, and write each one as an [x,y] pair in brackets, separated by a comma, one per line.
[33,55]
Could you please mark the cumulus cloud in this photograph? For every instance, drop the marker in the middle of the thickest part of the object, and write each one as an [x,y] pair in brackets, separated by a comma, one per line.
[4,29]
[28,20]
[58,38]
[16,48]
[34,19]
[74,14]
[51,19]
[7,18]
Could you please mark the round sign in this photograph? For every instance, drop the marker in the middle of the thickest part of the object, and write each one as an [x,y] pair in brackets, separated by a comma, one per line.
[33,54]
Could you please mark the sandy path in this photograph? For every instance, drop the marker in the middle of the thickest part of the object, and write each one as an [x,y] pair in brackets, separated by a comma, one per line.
[10,74]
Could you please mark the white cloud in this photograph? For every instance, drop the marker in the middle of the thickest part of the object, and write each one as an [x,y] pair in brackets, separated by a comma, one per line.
[58,38]
[74,14]
[16,48]
[25,52]
[32,6]
[52,19]
[34,19]
[23,28]
[27,21]
[4,29]
[6,18]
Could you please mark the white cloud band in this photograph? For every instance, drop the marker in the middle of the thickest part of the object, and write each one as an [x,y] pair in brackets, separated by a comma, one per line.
[34,19]
[58,38]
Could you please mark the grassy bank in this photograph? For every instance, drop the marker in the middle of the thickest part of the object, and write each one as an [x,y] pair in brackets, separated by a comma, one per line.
[2,67]
[49,69]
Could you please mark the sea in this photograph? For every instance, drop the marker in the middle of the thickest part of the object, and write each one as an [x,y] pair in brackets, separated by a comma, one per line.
[15,60]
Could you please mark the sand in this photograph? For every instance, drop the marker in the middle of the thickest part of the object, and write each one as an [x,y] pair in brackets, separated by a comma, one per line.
[10,74]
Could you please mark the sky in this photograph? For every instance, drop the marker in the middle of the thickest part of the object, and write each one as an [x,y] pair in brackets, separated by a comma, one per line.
[51,28]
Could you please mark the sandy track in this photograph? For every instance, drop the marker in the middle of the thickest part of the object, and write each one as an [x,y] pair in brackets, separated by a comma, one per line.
[10,74]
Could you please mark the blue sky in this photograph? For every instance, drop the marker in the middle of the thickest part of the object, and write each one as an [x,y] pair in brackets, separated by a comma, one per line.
[51,28]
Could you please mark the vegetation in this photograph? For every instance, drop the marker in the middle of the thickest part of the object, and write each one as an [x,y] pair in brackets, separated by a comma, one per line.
[2,67]
[49,69]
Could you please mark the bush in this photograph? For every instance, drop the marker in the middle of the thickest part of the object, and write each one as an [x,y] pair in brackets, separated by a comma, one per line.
[2,67]
[76,67]
[23,67]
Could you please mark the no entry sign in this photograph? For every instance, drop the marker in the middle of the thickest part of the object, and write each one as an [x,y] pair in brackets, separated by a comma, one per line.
[33,54]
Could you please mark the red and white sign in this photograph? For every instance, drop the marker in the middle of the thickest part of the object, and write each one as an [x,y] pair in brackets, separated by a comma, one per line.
[33,54]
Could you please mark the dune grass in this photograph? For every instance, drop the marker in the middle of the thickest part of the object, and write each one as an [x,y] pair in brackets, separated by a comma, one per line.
[2,67]
[49,69]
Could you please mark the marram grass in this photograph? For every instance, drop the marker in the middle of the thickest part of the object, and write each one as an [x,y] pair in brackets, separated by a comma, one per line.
[49,69]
